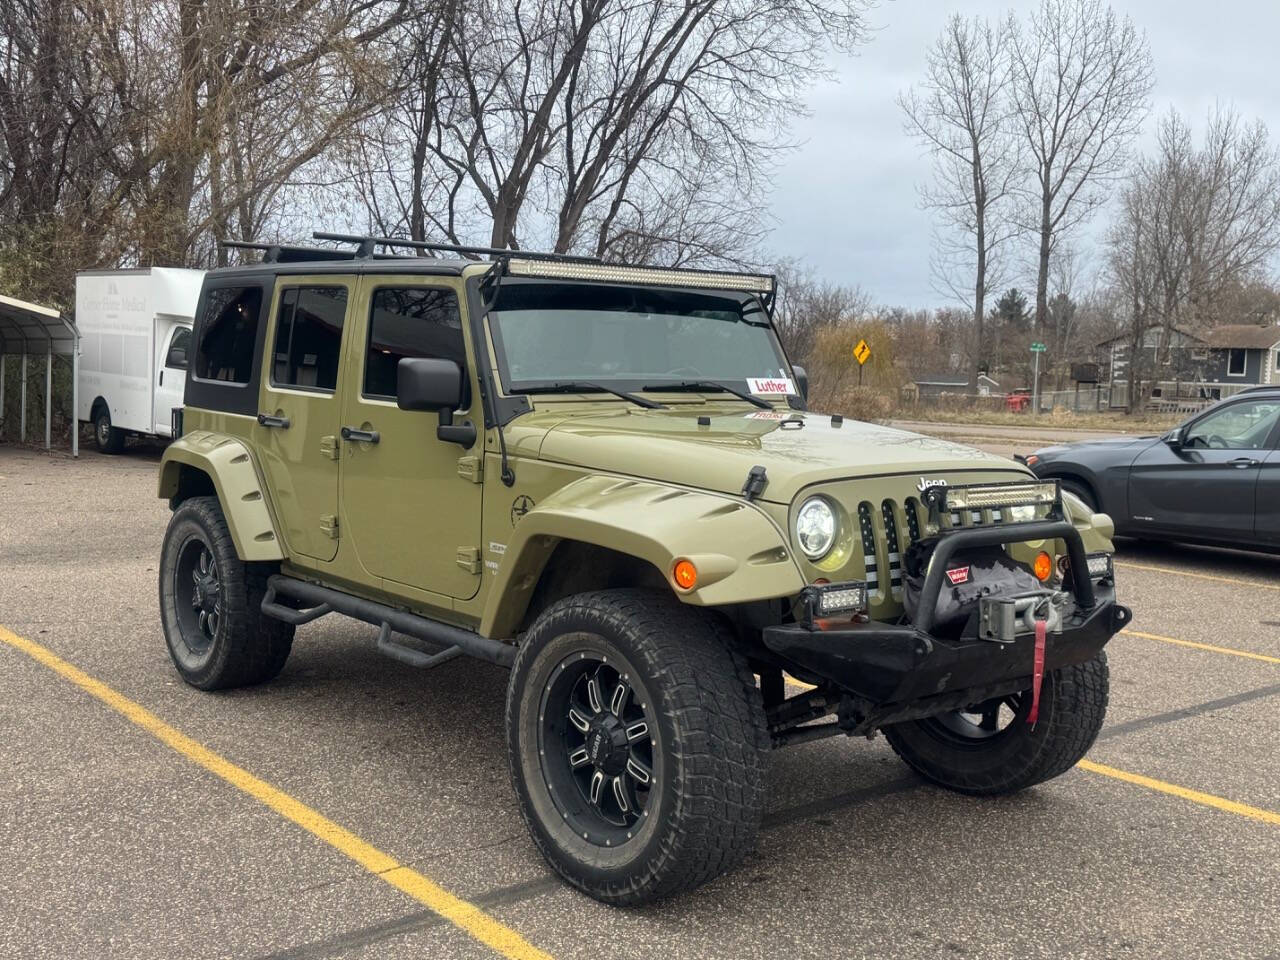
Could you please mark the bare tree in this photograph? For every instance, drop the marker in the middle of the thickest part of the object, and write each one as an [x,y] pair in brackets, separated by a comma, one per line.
[626,130]
[960,112]
[805,306]
[1082,80]
[1199,224]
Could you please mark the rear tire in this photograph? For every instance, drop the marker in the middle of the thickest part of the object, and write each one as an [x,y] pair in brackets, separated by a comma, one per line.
[957,752]
[210,604]
[109,439]
[653,783]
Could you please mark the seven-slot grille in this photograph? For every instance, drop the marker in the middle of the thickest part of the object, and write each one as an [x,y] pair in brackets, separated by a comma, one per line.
[902,525]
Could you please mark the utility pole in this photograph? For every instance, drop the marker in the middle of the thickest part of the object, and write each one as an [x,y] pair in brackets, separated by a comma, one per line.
[1037,348]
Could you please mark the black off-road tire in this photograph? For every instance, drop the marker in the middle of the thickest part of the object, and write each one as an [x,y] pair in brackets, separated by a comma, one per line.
[704,806]
[242,645]
[1073,704]
[109,439]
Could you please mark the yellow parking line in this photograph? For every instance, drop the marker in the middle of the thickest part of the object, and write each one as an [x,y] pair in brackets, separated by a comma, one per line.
[1232,651]
[466,916]
[1195,796]
[1199,576]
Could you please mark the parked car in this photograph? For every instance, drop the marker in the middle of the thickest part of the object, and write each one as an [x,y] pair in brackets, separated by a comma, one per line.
[603,477]
[1214,479]
[135,329]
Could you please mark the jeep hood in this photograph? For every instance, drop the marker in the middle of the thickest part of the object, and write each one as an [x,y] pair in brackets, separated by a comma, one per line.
[796,449]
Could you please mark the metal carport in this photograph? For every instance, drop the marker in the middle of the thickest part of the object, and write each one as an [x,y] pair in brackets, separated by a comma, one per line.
[29,329]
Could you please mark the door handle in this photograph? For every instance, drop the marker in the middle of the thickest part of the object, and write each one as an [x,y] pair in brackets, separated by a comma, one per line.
[161,378]
[270,420]
[1243,463]
[367,436]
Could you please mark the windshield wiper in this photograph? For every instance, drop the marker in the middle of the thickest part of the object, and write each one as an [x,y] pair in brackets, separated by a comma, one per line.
[585,386]
[709,386]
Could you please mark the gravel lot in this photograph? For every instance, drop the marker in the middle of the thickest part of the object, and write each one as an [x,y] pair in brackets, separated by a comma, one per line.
[115,844]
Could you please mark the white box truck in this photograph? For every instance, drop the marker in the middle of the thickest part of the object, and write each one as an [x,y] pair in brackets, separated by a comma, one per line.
[135,337]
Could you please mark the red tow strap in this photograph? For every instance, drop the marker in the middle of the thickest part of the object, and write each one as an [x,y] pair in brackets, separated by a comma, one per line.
[1037,671]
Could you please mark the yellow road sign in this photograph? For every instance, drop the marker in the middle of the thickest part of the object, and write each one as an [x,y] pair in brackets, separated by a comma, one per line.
[862,352]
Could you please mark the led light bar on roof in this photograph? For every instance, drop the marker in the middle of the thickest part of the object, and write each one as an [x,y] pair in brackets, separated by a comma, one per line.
[609,273]
[1000,495]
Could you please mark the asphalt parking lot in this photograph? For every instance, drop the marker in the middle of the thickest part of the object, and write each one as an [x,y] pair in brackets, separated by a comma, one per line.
[355,808]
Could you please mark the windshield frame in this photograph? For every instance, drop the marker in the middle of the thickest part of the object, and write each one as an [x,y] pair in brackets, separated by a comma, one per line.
[750,302]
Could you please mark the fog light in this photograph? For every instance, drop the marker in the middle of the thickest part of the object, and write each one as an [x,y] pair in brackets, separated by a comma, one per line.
[1043,566]
[685,574]
[829,599]
[1100,566]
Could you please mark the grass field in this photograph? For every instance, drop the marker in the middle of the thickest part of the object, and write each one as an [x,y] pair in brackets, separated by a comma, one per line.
[1058,419]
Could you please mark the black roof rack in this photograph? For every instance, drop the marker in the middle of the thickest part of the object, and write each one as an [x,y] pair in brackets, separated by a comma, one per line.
[369,243]
[289,253]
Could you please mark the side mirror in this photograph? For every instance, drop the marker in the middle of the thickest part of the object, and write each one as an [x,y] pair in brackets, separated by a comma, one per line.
[428,384]
[424,383]
[802,381]
[1174,439]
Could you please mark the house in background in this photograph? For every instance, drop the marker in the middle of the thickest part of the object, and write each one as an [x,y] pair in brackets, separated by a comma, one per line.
[933,385]
[1243,354]
[1222,362]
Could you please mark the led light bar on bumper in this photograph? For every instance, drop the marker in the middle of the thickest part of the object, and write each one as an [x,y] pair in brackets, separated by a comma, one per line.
[610,273]
[1101,566]
[824,600]
[1017,502]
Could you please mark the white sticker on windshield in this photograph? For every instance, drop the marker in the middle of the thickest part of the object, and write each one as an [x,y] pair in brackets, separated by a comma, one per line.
[771,386]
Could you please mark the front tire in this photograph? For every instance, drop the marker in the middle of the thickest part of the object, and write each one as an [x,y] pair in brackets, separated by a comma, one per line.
[991,749]
[109,439]
[210,604]
[635,737]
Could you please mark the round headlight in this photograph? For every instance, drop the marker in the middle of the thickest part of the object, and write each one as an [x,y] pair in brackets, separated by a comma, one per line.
[815,527]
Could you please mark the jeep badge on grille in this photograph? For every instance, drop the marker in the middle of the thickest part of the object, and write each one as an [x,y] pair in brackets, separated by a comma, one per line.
[925,483]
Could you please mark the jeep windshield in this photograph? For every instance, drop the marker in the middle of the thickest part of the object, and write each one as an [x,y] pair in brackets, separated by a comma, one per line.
[633,338]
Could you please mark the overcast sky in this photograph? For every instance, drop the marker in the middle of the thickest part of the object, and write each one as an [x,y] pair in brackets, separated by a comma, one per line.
[846,200]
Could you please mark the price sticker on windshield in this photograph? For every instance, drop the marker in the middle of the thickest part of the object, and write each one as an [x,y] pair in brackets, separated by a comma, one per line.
[771,386]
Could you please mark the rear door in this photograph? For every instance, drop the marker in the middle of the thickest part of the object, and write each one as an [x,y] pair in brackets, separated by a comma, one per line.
[298,413]
[1208,486]
[410,501]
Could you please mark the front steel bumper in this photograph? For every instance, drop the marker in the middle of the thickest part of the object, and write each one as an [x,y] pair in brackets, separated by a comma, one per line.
[885,665]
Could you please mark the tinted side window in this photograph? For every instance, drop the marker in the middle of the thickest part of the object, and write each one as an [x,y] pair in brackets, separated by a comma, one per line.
[178,347]
[410,322]
[308,337]
[228,334]
[1239,426]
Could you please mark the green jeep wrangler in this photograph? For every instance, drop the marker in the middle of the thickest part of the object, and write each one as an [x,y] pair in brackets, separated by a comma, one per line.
[604,478]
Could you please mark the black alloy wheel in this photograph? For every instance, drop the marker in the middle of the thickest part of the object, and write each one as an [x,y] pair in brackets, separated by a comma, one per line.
[199,593]
[978,724]
[596,744]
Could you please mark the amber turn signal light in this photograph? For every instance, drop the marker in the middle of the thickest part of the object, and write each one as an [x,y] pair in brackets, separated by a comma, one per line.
[686,574]
[1043,566]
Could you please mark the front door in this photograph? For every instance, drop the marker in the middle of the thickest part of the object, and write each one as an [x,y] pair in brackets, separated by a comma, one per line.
[410,503]
[1207,486]
[172,378]
[298,412]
